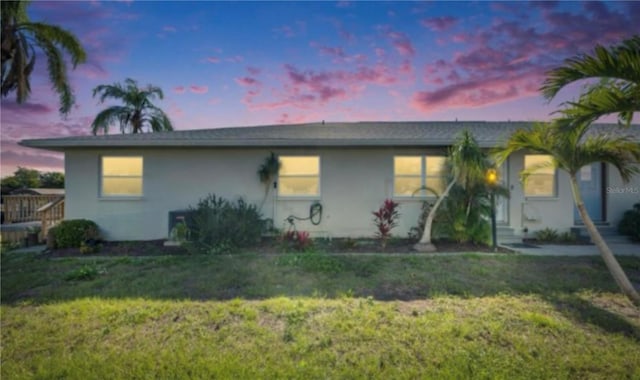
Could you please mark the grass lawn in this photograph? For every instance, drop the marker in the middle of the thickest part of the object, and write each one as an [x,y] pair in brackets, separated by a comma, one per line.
[309,316]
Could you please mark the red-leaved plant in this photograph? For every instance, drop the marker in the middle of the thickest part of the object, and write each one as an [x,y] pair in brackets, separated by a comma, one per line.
[298,240]
[385,219]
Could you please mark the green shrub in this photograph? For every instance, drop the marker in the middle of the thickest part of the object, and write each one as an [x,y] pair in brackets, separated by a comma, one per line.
[464,215]
[72,233]
[547,235]
[630,223]
[567,237]
[219,226]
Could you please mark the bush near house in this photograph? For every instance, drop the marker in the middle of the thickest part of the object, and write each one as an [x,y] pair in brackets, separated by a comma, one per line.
[73,233]
[220,226]
[630,223]
[464,216]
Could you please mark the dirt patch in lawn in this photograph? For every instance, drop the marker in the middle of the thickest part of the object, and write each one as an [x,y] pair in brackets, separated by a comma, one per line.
[273,246]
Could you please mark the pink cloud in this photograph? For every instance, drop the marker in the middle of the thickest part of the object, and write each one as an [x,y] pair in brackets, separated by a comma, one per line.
[438,24]
[247,81]
[179,90]
[198,89]
[399,40]
[307,89]
[169,28]
[213,59]
[477,93]
[253,70]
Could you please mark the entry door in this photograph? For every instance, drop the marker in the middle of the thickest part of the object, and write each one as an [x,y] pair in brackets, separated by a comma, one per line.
[591,185]
[502,203]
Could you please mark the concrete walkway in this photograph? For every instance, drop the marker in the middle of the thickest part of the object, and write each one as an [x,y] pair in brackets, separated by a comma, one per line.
[619,249]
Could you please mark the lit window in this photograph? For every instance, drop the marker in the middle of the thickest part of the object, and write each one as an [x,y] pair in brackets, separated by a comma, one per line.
[412,173]
[299,176]
[121,176]
[542,182]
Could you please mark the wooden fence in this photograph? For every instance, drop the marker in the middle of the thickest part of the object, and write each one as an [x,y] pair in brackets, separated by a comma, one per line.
[51,214]
[24,208]
[46,209]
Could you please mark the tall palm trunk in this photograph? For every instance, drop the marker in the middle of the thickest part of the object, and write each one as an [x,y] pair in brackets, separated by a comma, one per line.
[614,267]
[425,244]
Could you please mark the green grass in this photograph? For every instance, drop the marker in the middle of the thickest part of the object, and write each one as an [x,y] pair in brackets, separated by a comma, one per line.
[310,316]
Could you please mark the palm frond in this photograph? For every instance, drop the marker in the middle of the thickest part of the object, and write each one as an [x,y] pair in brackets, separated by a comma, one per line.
[621,152]
[620,62]
[526,173]
[59,37]
[109,116]
[603,99]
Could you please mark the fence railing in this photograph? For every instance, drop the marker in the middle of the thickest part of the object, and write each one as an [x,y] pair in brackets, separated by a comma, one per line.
[24,208]
[51,214]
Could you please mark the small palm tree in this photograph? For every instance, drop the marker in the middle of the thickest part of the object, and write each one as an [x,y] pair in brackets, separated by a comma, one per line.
[468,164]
[618,89]
[136,114]
[570,150]
[20,37]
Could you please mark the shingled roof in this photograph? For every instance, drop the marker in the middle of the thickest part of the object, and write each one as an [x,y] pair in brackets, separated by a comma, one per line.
[360,134]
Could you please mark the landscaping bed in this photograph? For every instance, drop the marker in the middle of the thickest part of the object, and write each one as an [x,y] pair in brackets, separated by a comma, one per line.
[273,246]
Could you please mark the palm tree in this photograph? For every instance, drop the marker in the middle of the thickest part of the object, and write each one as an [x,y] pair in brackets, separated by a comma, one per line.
[20,37]
[570,150]
[468,164]
[136,114]
[616,92]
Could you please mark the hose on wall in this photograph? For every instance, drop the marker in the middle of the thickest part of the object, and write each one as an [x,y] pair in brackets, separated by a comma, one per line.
[315,215]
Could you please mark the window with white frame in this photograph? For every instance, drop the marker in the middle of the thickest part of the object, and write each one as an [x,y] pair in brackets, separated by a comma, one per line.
[542,182]
[299,176]
[412,173]
[121,176]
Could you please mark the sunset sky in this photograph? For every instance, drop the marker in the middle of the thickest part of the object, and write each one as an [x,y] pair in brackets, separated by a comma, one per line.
[226,64]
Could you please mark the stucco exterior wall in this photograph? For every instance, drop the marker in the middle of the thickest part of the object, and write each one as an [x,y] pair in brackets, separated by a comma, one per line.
[353,183]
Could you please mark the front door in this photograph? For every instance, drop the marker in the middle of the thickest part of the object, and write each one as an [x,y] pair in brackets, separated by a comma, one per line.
[591,188]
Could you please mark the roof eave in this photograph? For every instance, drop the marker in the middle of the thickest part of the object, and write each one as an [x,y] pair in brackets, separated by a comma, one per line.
[243,143]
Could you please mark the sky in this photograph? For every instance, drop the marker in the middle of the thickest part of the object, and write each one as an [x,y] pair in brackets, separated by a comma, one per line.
[227,64]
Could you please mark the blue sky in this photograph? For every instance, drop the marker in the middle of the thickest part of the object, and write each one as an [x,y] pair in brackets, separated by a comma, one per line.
[250,63]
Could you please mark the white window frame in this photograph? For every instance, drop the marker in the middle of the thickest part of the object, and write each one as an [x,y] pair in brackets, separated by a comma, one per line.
[101,193]
[301,196]
[423,175]
[554,194]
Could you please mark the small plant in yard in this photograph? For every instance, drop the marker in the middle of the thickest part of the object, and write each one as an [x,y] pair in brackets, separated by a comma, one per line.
[630,223]
[548,235]
[84,273]
[385,219]
[297,240]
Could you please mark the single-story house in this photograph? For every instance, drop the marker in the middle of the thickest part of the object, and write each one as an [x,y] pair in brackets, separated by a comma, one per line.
[129,184]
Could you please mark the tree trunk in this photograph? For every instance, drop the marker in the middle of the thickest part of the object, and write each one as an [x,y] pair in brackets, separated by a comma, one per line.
[425,245]
[610,260]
